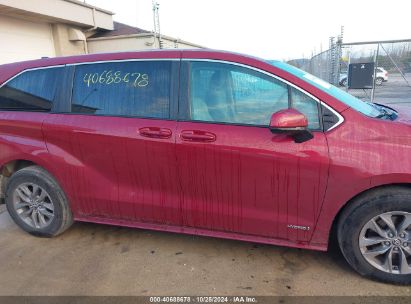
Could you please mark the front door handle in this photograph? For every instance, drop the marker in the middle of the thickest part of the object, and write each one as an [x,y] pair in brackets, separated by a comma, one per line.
[155,132]
[197,136]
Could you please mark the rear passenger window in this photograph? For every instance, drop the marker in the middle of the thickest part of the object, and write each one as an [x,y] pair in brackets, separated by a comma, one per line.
[137,88]
[31,91]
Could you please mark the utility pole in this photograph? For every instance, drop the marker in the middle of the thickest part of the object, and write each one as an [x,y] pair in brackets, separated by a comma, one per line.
[334,60]
[331,60]
[340,40]
[156,21]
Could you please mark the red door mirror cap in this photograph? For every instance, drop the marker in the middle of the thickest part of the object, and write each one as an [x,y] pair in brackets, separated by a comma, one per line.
[288,119]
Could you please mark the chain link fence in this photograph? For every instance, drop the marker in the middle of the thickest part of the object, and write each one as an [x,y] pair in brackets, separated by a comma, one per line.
[392,61]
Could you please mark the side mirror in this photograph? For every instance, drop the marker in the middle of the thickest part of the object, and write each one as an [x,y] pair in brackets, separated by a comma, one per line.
[292,123]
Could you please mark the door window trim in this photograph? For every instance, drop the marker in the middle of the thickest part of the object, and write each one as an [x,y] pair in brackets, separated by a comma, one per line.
[175,101]
[68,74]
[86,62]
[174,87]
[61,91]
[122,60]
[320,103]
[29,70]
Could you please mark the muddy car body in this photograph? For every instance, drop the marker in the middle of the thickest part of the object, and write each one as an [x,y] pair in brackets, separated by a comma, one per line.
[209,143]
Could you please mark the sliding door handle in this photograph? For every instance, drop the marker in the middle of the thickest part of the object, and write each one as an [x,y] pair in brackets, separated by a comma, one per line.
[155,132]
[197,136]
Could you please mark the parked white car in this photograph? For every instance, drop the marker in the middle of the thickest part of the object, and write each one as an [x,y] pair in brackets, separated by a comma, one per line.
[381,76]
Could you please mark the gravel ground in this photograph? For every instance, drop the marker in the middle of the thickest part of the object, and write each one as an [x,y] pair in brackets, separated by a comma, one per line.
[394,91]
[92,259]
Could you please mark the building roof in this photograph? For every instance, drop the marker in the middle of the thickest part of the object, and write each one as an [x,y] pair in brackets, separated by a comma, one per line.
[83,3]
[71,12]
[120,29]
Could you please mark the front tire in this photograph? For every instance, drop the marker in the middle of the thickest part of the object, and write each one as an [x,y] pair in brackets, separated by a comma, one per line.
[36,202]
[374,235]
[379,81]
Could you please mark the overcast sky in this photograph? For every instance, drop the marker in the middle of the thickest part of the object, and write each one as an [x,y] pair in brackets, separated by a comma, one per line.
[272,29]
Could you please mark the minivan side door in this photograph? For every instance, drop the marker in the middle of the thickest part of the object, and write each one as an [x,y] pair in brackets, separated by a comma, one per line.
[116,142]
[236,176]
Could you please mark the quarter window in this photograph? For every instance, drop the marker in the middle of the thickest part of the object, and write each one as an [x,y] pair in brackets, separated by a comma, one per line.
[229,93]
[31,91]
[138,88]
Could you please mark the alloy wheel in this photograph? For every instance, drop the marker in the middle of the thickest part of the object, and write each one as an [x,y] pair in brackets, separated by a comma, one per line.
[385,242]
[33,205]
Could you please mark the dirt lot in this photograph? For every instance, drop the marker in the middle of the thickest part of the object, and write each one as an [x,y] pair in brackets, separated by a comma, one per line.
[92,259]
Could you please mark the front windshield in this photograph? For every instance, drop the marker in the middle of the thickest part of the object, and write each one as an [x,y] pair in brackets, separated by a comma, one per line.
[351,101]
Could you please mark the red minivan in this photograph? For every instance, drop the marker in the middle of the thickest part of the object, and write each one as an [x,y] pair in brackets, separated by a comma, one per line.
[209,143]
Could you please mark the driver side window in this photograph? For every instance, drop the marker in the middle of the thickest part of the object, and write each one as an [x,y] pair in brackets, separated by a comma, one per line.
[226,93]
[232,94]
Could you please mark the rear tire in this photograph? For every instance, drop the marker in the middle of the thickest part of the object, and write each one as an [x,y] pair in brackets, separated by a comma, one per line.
[374,234]
[36,202]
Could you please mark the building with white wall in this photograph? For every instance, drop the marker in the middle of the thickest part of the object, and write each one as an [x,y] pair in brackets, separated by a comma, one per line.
[31,29]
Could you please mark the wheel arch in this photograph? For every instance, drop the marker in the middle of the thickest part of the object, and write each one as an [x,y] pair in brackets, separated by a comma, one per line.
[56,224]
[352,201]
[8,168]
